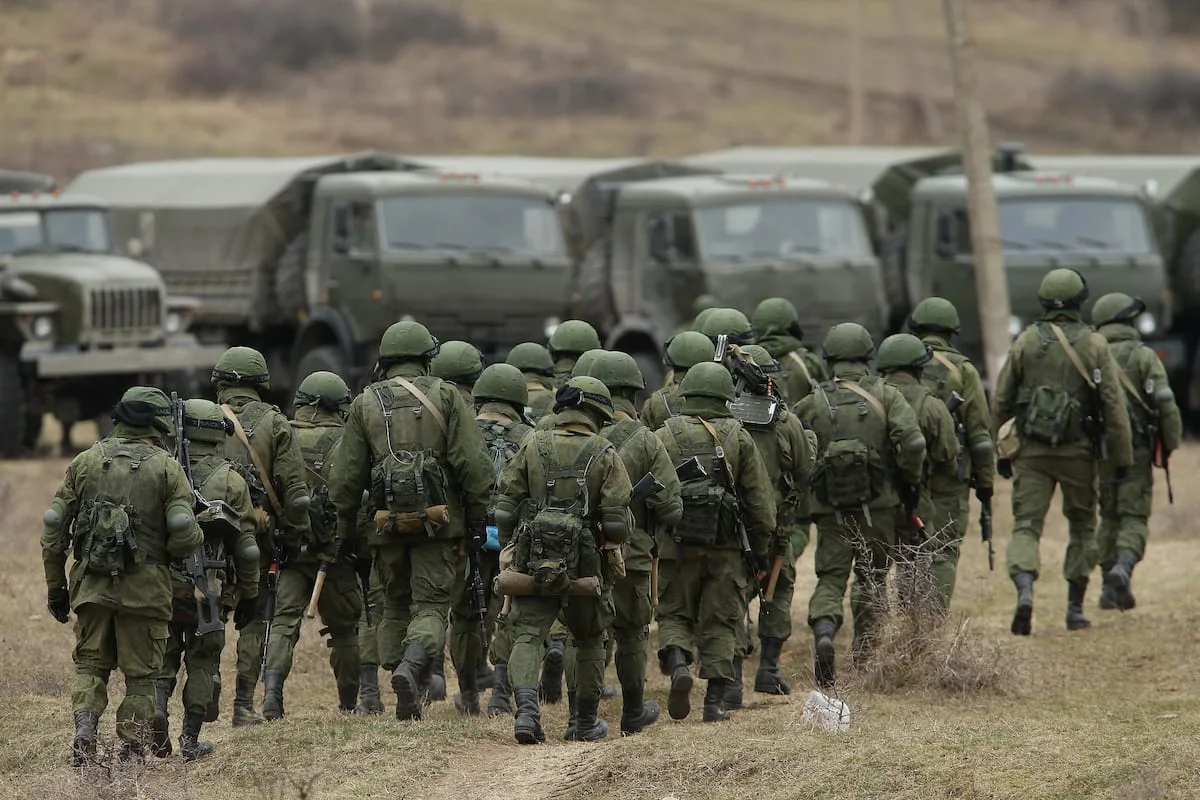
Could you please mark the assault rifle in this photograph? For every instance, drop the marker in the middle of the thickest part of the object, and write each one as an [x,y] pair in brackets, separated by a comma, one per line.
[479,605]
[269,613]
[985,530]
[721,468]
[645,488]
[953,403]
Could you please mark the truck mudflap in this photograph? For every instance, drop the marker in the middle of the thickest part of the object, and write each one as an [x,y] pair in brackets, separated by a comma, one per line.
[176,354]
[1172,352]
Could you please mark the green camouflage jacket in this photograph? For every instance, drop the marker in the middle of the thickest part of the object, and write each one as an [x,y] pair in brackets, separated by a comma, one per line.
[950,371]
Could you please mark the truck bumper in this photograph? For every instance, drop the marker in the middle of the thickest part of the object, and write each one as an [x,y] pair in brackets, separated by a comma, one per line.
[179,353]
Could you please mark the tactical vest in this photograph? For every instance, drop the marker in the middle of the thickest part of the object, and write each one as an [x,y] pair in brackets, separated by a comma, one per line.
[317,443]
[252,416]
[503,440]
[708,506]
[210,476]
[852,470]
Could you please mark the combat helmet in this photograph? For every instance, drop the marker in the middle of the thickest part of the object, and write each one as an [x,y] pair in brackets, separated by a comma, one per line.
[688,349]
[407,341]
[573,338]
[902,351]
[777,315]
[726,321]
[584,391]
[457,361]
[145,407]
[759,355]
[934,315]
[531,357]
[583,365]
[203,421]
[708,379]
[848,341]
[1062,289]
[703,303]
[243,366]
[324,389]
[618,370]
[503,383]
[1117,307]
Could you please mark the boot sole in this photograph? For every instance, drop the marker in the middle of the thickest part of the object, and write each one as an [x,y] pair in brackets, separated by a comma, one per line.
[1022,621]
[768,683]
[679,702]
[408,702]
[648,717]
[526,736]
[1082,625]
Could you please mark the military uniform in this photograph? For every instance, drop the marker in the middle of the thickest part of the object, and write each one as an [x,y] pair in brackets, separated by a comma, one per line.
[537,366]
[569,341]
[411,440]
[576,485]
[1052,400]
[123,510]
[369,700]
[857,419]
[684,351]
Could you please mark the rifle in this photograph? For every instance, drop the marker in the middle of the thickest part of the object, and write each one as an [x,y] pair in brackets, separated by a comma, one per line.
[953,403]
[720,467]
[269,614]
[479,606]
[364,578]
[647,486]
[319,584]
[1161,458]
[1098,427]
[208,602]
[985,530]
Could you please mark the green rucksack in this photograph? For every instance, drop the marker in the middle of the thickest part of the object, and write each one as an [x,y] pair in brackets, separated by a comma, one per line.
[851,472]
[1048,412]
[105,538]
[708,506]
[500,443]
[317,445]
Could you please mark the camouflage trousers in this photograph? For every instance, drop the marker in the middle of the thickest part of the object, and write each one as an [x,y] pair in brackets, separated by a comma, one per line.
[368,631]
[250,638]
[467,653]
[587,620]
[701,605]
[201,655]
[853,544]
[1034,481]
[1125,511]
[417,580]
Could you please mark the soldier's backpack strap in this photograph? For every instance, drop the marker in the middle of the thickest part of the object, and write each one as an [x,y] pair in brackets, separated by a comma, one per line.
[950,366]
[621,432]
[799,362]
[864,394]
[1072,354]
[1130,389]
[263,475]
[424,400]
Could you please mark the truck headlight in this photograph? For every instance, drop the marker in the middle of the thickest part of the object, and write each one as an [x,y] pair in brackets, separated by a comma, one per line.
[1147,324]
[1015,326]
[550,326]
[42,327]
[173,322]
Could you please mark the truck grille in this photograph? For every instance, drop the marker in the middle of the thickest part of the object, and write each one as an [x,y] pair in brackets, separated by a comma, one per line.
[116,311]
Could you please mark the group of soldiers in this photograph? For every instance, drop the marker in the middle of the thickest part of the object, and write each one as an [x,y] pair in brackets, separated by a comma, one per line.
[527,514]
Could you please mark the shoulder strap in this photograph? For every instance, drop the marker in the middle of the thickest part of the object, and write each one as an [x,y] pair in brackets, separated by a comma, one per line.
[424,400]
[1130,389]
[1072,354]
[948,364]
[864,394]
[268,487]
[799,362]
[711,432]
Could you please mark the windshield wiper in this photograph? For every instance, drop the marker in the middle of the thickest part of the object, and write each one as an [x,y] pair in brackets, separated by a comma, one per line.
[1053,244]
[1097,243]
[1009,243]
[405,246]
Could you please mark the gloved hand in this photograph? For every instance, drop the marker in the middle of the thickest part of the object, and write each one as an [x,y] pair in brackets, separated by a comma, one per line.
[245,612]
[983,493]
[1004,468]
[1121,475]
[58,601]
[346,552]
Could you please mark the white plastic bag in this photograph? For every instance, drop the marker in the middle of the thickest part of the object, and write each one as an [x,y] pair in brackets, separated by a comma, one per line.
[826,713]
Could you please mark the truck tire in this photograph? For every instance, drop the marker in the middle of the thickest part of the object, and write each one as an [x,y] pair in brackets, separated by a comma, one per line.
[290,293]
[12,408]
[654,373]
[184,382]
[326,358]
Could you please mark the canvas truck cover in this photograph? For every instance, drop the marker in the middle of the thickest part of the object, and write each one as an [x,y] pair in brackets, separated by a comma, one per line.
[24,182]
[215,228]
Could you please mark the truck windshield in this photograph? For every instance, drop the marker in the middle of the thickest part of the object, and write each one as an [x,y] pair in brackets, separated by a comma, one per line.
[782,228]
[1074,224]
[487,223]
[70,230]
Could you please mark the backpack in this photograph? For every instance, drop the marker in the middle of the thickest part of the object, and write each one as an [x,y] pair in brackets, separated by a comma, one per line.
[496,435]
[550,545]
[241,454]
[317,445]
[1048,412]
[105,528]
[851,472]
[708,506]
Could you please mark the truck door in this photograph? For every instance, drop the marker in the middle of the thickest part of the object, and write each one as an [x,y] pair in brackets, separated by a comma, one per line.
[669,262]
[353,277]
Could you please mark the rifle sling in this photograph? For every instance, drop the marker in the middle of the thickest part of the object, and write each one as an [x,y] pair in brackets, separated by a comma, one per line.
[263,475]
[865,395]
[424,400]
[947,363]
[799,362]
[1073,354]
[1127,384]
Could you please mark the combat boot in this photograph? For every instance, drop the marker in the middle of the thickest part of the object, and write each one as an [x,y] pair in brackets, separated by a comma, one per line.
[636,712]
[435,684]
[406,681]
[272,708]
[466,701]
[500,703]
[485,677]
[243,703]
[83,748]
[347,697]
[1022,621]
[1108,598]
[734,688]
[1076,590]
[213,712]
[572,715]
[679,703]
[369,701]
[1118,580]
[768,679]
[527,728]
[714,701]
[608,692]
[552,671]
[160,732]
[190,745]
[588,725]
[824,658]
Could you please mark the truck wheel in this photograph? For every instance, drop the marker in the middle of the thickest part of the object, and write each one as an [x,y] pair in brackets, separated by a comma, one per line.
[33,429]
[12,408]
[653,373]
[290,291]
[326,358]
[184,382]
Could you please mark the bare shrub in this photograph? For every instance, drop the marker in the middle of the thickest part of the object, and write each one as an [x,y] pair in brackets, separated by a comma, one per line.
[595,84]
[398,24]
[1165,96]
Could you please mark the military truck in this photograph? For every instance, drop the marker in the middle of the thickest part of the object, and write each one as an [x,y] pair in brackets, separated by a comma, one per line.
[79,324]
[310,260]
[25,182]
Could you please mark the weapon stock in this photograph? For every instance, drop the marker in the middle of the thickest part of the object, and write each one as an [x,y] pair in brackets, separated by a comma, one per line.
[721,467]
[269,613]
[208,602]
[478,591]
[985,531]
[642,490]
[1162,459]
[953,403]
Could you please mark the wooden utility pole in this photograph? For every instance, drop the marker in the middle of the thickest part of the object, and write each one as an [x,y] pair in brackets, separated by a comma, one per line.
[858,100]
[991,284]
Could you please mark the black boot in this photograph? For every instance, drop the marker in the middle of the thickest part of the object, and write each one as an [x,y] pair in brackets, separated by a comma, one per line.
[588,725]
[485,677]
[369,701]
[83,748]
[1108,597]
[273,695]
[1118,581]
[1022,621]
[768,679]
[552,671]
[714,701]
[734,688]
[528,725]
[572,715]
[824,658]
[466,701]
[213,712]
[347,697]
[160,732]
[406,681]
[636,712]
[435,685]
[243,703]
[1076,590]
[679,703]
[190,745]
[500,703]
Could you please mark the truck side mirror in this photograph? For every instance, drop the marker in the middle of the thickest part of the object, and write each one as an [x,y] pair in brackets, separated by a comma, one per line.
[660,248]
[341,229]
[945,235]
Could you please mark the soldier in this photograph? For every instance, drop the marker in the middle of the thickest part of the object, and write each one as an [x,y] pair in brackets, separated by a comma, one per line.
[705,577]
[702,303]
[1157,431]
[124,510]
[537,366]
[642,454]
[322,401]
[460,363]
[935,320]
[412,441]
[269,457]
[581,367]
[1060,385]
[777,328]
[868,442]
[578,493]
[728,322]
[206,428]
[684,351]
[900,360]
[569,341]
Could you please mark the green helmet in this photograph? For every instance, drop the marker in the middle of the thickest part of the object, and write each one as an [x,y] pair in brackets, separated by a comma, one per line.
[145,407]
[457,361]
[407,341]
[1117,307]
[703,303]
[762,358]
[1062,288]
[531,357]
[688,349]
[902,351]
[585,391]
[708,379]
[324,389]
[777,315]
[700,318]
[572,338]
[848,341]
[935,314]
[502,382]
[203,421]
[585,362]
[728,321]
[242,365]
[618,370]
